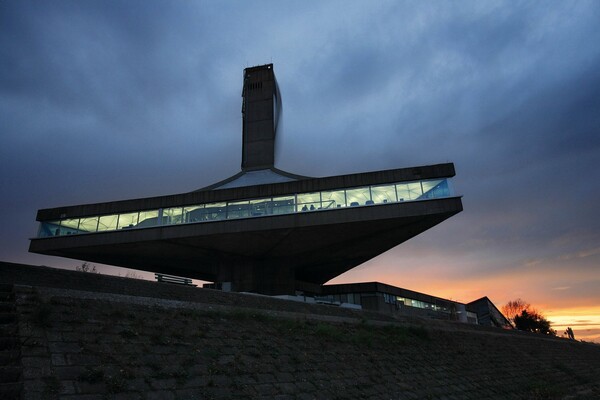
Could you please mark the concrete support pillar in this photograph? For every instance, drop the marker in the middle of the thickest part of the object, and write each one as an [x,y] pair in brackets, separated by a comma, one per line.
[258,276]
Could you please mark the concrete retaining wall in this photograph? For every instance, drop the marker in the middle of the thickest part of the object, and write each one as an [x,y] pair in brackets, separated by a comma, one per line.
[100,344]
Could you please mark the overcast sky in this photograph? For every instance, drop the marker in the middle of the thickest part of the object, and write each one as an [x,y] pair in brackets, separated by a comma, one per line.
[109,100]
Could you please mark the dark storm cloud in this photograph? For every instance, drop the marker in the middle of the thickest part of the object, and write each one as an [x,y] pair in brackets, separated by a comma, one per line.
[99,81]
[104,100]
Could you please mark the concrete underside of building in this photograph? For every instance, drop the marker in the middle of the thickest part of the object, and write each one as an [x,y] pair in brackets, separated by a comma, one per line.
[272,255]
[69,335]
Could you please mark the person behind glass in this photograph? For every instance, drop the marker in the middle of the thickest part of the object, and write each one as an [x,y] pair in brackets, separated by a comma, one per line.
[304,208]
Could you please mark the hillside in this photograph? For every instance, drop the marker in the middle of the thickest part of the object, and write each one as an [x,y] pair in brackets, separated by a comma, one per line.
[73,335]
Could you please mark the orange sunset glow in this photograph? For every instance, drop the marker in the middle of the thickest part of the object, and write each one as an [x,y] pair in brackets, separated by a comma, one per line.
[565,299]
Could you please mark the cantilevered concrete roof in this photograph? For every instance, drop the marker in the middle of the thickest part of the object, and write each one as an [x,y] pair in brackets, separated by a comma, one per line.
[311,247]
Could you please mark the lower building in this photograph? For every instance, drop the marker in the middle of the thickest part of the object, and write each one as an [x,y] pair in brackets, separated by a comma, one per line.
[488,314]
[380,297]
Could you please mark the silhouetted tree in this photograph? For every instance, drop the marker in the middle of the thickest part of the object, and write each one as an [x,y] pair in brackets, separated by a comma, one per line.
[533,321]
[514,308]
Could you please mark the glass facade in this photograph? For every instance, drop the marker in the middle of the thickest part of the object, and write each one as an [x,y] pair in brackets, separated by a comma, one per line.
[352,298]
[250,208]
[423,304]
[440,306]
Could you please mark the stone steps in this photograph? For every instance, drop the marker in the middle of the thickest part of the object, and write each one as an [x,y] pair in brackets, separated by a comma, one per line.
[11,372]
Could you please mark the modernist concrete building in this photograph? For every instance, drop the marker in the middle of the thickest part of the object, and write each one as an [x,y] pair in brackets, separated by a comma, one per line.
[262,230]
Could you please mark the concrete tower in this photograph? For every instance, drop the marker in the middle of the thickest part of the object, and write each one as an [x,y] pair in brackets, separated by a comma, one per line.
[260,110]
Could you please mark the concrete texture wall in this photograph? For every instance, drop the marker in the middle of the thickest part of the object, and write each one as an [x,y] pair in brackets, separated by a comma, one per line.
[106,343]
[258,109]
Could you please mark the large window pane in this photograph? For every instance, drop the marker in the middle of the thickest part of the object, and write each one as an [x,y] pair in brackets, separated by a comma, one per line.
[88,224]
[215,211]
[148,218]
[409,191]
[70,224]
[283,205]
[358,197]
[49,228]
[428,185]
[260,207]
[309,201]
[402,190]
[333,199]
[405,301]
[383,194]
[194,213]
[128,220]
[415,190]
[173,215]
[238,209]
[435,189]
[108,223]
